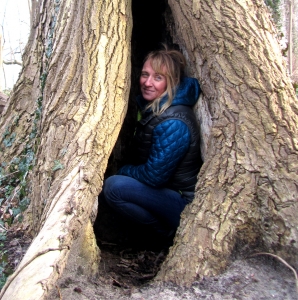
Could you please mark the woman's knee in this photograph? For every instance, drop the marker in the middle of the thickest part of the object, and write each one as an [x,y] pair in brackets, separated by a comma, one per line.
[111,184]
[113,187]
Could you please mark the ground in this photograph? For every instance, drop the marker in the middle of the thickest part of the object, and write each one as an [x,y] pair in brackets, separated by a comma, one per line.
[127,274]
[128,267]
[14,244]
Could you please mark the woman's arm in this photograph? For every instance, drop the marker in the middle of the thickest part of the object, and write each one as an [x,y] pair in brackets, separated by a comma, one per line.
[170,143]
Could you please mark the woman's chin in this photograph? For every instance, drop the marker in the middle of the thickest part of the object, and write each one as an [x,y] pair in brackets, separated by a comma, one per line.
[148,98]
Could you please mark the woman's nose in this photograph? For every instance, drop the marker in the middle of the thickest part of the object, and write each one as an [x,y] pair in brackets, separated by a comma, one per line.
[148,81]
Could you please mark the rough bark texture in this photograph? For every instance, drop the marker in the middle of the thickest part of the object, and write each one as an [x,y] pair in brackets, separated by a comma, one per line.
[247,187]
[3,101]
[64,117]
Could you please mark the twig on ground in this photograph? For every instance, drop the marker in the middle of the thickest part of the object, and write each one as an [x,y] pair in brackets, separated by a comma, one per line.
[2,227]
[284,262]
[115,282]
[7,175]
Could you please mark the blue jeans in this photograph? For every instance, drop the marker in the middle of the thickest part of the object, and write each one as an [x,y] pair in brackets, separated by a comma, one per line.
[159,208]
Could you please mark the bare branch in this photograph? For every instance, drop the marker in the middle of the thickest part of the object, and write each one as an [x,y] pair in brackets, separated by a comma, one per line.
[30,7]
[13,62]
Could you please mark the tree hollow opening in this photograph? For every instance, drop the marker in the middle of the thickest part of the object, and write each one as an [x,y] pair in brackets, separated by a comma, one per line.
[115,235]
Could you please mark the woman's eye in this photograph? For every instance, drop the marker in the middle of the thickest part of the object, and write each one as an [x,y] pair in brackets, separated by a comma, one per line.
[158,77]
[144,75]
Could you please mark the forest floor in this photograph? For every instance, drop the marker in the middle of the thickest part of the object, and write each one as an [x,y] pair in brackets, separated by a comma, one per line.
[127,270]
[128,274]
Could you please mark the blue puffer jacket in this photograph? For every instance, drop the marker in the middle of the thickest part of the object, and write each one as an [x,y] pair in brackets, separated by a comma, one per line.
[170,140]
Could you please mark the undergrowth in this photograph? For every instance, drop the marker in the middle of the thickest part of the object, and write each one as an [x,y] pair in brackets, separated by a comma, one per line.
[14,186]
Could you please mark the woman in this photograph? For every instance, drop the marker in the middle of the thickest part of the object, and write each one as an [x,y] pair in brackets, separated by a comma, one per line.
[155,189]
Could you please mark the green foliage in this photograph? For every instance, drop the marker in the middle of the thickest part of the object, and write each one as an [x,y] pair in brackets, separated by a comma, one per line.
[274,6]
[5,270]
[2,235]
[8,135]
[3,258]
[16,211]
[9,141]
[7,92]
[38,112]
[8,190]
[14,187]
[13,175]
[50,37]
[24,203]
[139,116]
[3,276]
[57,165]
[296,89]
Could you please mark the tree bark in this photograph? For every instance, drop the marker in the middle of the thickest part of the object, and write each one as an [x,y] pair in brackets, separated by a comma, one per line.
[247,187]
[66,111]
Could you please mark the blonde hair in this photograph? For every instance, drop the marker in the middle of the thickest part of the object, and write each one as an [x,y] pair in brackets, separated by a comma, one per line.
[171,64]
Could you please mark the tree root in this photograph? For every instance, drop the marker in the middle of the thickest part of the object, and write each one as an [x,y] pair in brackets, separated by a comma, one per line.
[18,271]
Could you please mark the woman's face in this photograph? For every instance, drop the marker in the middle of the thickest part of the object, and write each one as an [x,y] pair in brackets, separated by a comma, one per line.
[152,84]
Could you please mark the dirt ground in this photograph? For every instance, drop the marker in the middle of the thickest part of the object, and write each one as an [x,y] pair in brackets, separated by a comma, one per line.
[128,275]
[127,271]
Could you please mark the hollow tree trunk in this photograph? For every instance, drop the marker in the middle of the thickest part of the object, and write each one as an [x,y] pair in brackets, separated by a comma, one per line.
[62,122]
[247,187]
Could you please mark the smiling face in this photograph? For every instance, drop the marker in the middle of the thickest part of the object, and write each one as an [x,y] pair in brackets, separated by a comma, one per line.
[152,84]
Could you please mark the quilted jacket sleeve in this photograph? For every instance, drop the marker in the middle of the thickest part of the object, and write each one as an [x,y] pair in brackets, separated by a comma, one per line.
[171,140]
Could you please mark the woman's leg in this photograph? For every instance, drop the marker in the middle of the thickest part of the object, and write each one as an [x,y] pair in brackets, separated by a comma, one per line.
[158,208]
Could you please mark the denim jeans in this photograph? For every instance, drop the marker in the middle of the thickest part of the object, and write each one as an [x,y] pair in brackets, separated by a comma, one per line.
[159,208]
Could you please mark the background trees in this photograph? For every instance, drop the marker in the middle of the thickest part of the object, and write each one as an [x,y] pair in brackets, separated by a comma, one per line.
[284,13]
[15,28]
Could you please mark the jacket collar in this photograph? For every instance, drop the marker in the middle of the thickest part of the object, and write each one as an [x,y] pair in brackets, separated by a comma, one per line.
[187,93]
